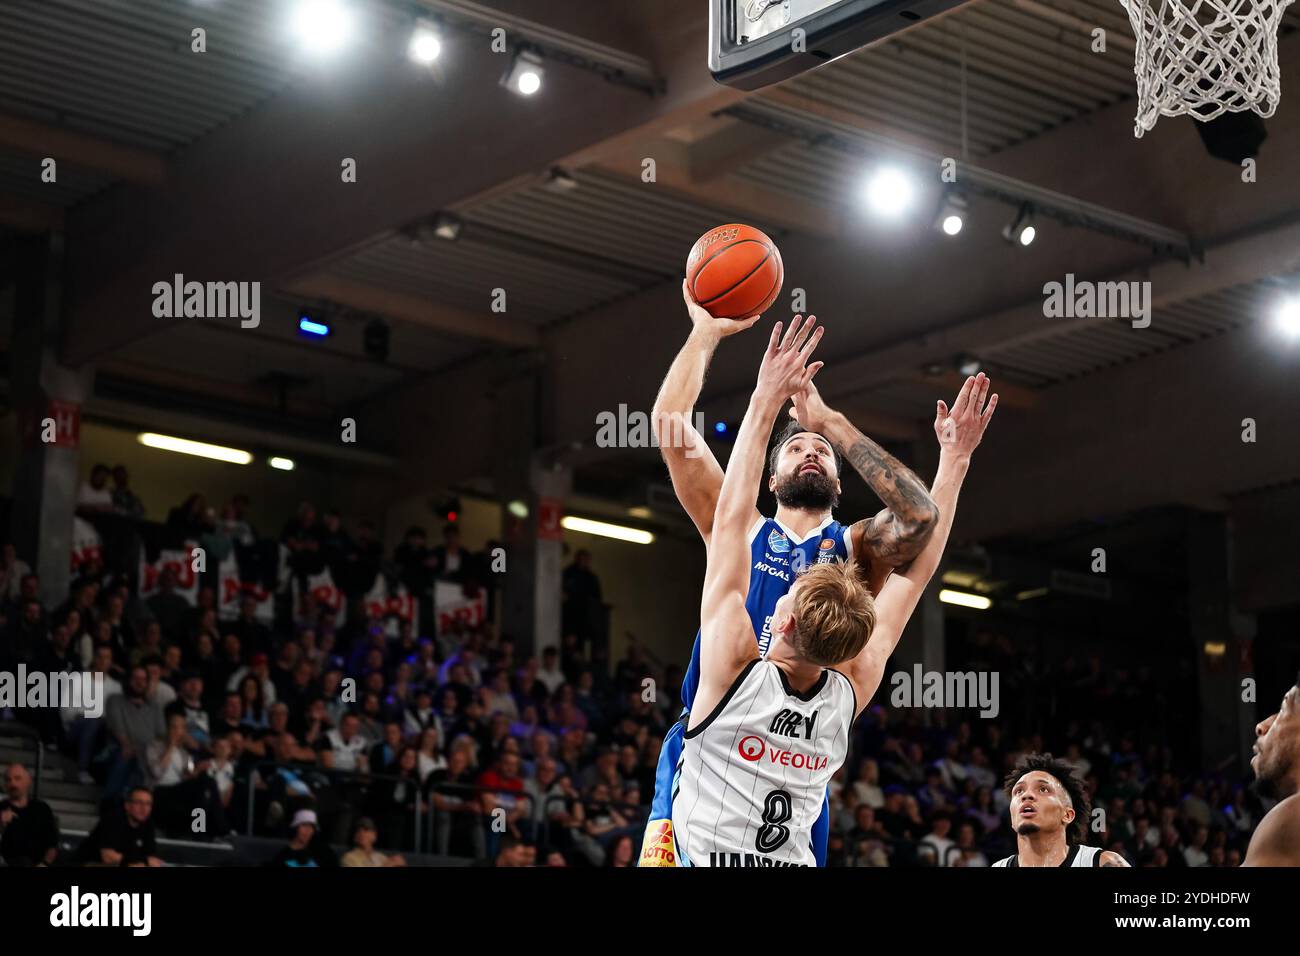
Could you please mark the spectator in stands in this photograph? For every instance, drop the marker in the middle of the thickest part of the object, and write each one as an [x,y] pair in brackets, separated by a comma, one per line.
[394,797]
[254,636]
[497,697]
[383,755]
[451,562]
[513,852]
[82,732]
[188,520]
[345,748]
[457,822]
[414,560]
[234,521]
[134,722]
[503,788]
[180,786]
[124,835]
[258,670]
[94,493]
[419,715]
[125,501]
[189,704]
[120,634]
[254,716]
[335,546]
[149,644]
[159,690]
[170,609]
[967,852]
[222,769]
[363,852]
[306,847]
[429,753]
[12,571]
[582,598]
[605,821]
[28,633]
[867,785]
[622,852]
[29,832]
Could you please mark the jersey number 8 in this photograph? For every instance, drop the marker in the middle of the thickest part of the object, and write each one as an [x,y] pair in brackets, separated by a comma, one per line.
[777,810]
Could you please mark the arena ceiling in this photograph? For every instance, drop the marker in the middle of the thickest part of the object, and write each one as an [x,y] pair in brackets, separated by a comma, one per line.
[227,164]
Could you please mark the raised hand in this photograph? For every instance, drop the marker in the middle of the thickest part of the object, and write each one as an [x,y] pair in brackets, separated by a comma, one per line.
[809,410]
[707,324]
[783,372]
[960,430]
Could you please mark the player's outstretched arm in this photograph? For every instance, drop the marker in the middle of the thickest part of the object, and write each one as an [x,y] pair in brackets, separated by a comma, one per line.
[959,432]
[727,635]
[900,530]
[695,472]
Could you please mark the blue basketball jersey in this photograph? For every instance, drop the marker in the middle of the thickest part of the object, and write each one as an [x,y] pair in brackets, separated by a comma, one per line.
[776,556]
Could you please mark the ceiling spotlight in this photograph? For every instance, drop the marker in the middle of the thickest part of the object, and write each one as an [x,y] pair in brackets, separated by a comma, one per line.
[425,44]
[525,73]
[322,26]
[1287,316]
[969,365]
[890,191]
[447,226]
[952,215]
[1020,231]
[518,508]
[559,181]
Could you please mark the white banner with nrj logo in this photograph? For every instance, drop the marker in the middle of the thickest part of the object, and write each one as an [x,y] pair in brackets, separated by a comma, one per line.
[180,563]
[231,591]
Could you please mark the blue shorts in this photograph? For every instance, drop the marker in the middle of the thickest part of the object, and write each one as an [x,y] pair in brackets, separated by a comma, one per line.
[658,847]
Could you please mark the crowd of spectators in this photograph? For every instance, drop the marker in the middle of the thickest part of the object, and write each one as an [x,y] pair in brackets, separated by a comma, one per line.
[369,733]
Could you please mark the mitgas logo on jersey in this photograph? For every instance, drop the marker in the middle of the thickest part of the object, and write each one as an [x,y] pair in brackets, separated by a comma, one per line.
[772,569]
[778,542]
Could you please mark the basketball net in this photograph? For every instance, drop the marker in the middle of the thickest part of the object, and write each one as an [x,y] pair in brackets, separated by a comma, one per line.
[1205,57]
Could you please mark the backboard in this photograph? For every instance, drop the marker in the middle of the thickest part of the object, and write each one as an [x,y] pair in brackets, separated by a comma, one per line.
[754,43]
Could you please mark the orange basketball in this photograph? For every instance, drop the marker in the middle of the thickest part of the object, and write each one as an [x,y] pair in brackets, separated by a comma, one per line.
[734,271]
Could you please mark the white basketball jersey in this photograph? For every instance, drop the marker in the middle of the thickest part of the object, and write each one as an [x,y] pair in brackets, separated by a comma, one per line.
[754,772]
[1079,855]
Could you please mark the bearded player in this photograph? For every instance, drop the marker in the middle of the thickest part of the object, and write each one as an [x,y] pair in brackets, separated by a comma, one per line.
[767,732]
[1049,812]
[1276,762]
[805,468]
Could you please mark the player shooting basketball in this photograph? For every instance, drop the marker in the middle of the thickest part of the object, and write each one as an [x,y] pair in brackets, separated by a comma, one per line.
[805,479]
[1276,762]
[766,734]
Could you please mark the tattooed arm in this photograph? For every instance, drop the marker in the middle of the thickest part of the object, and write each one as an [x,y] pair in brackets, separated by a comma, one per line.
[1111,858]
[898,533]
